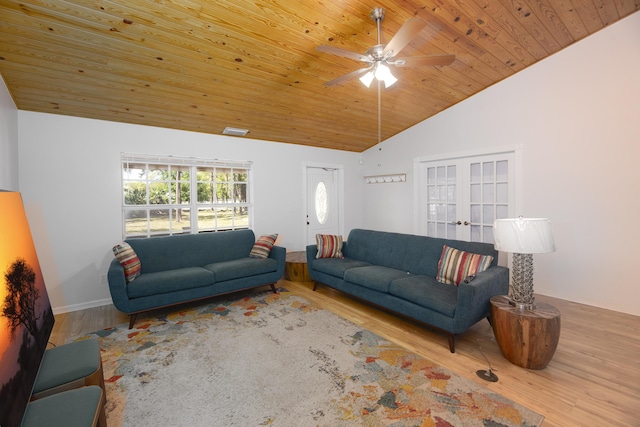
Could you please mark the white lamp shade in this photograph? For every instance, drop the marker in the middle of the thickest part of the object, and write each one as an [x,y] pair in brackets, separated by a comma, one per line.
[523,235]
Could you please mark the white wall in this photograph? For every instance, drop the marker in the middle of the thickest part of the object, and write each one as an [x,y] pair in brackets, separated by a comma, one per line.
[70,181]
[576,116]
[8,140]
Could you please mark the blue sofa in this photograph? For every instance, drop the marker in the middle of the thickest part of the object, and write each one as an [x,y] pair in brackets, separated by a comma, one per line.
[397,272]
[181,268]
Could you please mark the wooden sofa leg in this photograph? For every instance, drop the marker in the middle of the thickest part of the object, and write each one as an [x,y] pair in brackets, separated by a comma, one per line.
[273,288]
[132,320]
[452,344]
[315,285]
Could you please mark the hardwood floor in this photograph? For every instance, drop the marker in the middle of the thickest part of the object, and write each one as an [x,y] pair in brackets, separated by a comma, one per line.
[593,379]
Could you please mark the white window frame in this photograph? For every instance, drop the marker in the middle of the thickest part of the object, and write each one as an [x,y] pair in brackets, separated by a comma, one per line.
[192,206]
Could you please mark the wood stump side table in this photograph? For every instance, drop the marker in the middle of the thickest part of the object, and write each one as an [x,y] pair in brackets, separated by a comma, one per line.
[527,338]
[295,267]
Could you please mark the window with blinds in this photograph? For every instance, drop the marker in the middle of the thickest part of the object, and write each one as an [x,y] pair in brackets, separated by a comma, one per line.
[166,195]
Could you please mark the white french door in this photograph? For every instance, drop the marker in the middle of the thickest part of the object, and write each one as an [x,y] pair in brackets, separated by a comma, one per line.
[460,198]
[322,202]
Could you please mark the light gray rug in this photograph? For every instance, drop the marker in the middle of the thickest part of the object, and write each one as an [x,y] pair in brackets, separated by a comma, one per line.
[276,359]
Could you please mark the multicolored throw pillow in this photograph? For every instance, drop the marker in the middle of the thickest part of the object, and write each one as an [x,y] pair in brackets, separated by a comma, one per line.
[262,247]
[456,265]
[329,246]
[129,259]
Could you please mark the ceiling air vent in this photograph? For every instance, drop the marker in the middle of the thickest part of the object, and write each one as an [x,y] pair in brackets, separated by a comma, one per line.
[235,131]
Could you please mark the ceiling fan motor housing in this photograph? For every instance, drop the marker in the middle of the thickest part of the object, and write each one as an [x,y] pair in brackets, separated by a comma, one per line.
[377,14]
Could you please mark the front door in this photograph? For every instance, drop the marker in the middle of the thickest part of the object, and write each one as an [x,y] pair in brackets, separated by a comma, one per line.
[322,210]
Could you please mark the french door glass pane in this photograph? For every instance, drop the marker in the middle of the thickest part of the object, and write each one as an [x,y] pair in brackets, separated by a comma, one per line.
[431,194]
[431,176]
[451,213]
[487,171]
[487,214]
[488,233]
[474,172]
[451,175]
[475,233]
[502,192]
[476,214]
[502,170]
[475,193]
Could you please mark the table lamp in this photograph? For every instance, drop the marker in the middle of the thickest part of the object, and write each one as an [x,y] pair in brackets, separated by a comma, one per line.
[523,237]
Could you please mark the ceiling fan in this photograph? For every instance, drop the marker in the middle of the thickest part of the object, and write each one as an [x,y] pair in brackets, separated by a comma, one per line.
[380,57]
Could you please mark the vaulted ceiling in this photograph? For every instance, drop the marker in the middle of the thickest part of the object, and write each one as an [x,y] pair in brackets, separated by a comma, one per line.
[204,65]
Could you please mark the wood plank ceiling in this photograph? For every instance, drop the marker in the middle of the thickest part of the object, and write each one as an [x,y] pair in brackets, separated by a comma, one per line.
[203,65]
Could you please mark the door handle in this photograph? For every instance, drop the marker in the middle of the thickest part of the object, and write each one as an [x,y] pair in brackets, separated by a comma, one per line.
[467,223]
[455,222]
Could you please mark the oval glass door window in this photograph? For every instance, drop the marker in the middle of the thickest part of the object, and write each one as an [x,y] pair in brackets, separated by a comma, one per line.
[321,203]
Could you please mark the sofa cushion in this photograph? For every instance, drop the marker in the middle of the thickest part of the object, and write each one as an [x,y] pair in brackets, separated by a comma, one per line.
[126,256]
[163,253]
[426,292]
[456,265]
[373,277]
[170,281]
[336,266]
[262,247]
[329,246]
[243,267]
[416,254]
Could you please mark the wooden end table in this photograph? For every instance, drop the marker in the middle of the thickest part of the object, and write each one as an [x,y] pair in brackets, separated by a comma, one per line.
[527,338]
[295,267]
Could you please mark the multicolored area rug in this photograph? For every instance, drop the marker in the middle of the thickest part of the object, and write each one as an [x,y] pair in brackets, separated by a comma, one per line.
[276,359]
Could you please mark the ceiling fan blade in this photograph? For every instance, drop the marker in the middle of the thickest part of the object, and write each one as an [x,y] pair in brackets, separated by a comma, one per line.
[420,61]
[352,75]
[405,34]
[343,52]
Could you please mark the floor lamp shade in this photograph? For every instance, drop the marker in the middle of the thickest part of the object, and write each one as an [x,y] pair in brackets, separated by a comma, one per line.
[523,237]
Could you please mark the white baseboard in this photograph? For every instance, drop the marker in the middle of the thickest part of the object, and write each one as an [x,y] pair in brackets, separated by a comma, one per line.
[83,306]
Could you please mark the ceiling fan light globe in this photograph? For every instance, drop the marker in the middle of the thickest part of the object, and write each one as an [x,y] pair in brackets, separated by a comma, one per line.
[367,78]
[382,71]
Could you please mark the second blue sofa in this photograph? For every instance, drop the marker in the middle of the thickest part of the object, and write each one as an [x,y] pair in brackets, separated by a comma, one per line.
[398,272]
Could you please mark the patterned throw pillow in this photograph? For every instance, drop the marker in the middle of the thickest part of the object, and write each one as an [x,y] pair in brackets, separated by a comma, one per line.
[329,246]
[262,247]
[456,265]
[127,257]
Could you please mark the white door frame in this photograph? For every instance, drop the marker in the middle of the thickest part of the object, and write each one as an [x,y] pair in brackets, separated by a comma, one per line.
[339,187]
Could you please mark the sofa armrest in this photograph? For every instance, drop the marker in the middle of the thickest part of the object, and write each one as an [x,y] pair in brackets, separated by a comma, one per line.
[312,250]
[279,253]
[474,297]
[118,286]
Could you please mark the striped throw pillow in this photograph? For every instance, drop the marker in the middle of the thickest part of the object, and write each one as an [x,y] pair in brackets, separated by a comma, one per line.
[456,265]
[329,246]
[262,247]
[129,259]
